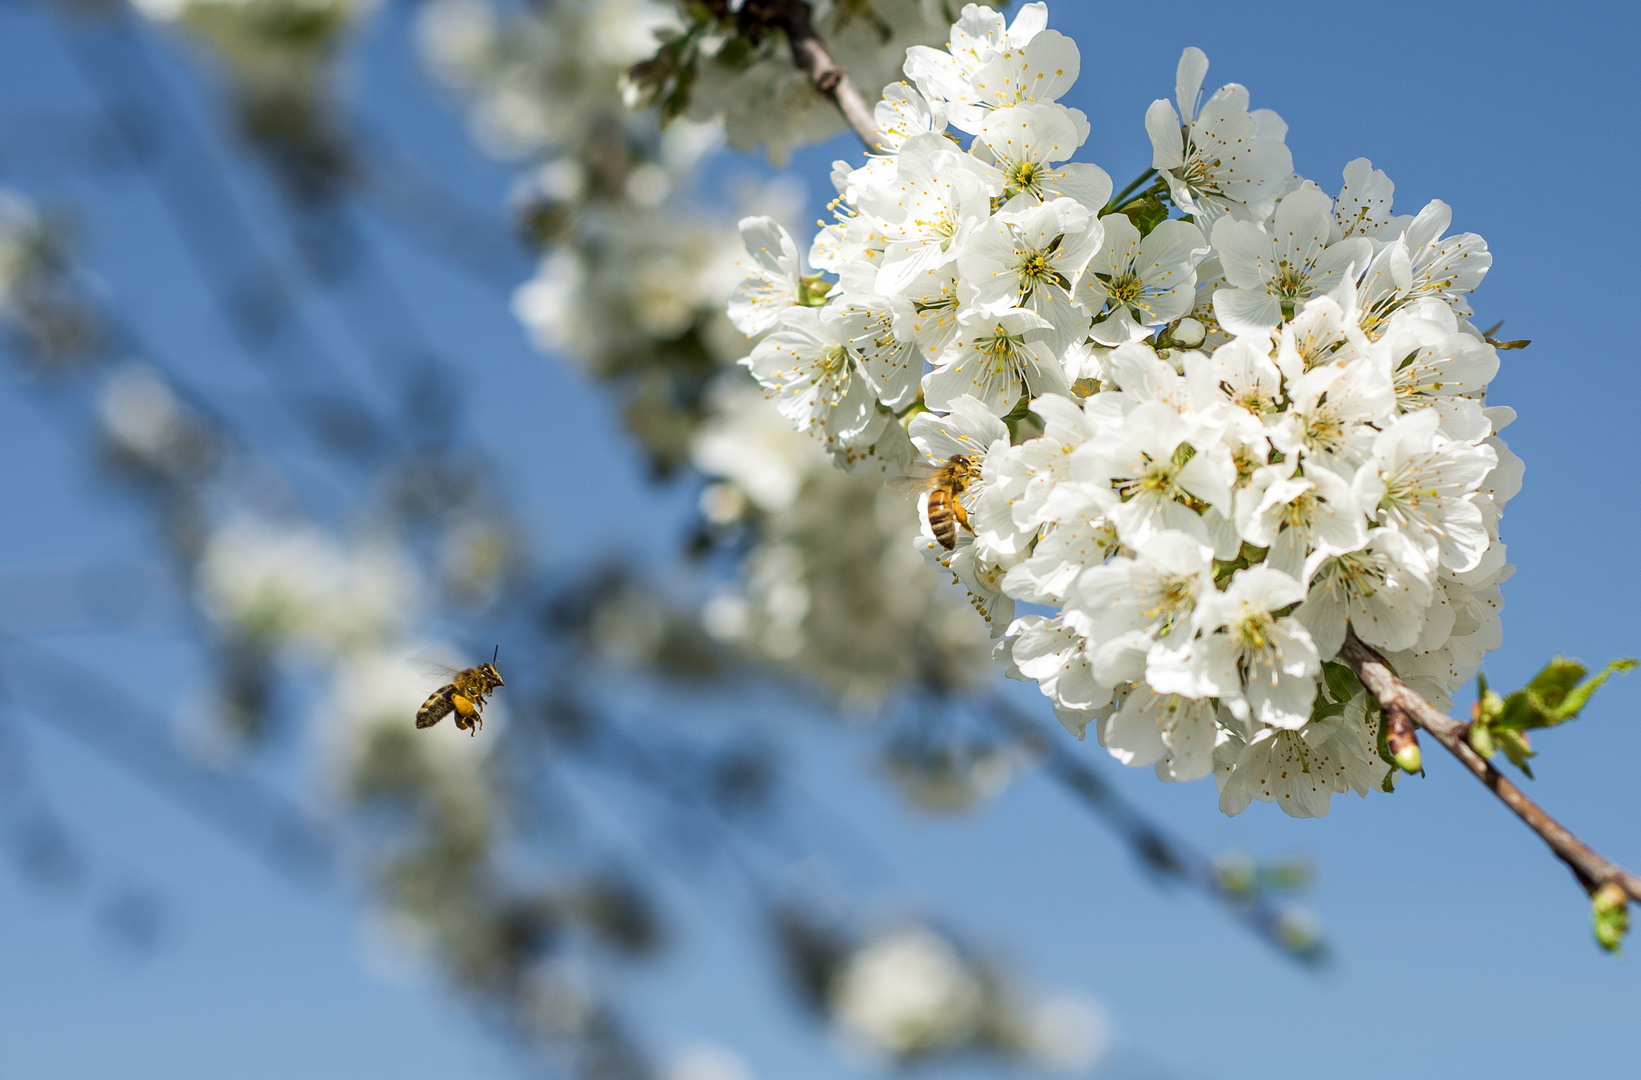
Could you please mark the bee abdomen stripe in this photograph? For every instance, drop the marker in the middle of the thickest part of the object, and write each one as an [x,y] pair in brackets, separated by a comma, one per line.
[434,709]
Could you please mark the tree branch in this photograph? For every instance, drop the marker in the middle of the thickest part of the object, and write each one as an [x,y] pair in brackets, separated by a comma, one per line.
[826,75]
[1166,855]
[1399,700]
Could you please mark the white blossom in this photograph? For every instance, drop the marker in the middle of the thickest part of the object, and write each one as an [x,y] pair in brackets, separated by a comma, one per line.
[1261,665]
[1219,159]
[997,359]
[1134,284]
[771,284]
[1254,427]
[1271,274]
[816,378]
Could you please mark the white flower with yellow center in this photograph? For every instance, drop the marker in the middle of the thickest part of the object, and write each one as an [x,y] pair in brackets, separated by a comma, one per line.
[1135,283]
[1329,415]
[1261,665]
[997,359]
[1083,536]
[1222,159]
[976,38]
[1131,605]
[1420,482]
[1026,141]
[938,195]
[1325,332]
[1363,207]
[1054,655]
[1163,479]
[934,302]
[1380,590]
[1301,771]
[1174,733]
[807,366]
[1295,513]
[1436,365]
[903,114]
[772,282]
[1032,259]
[1273,273]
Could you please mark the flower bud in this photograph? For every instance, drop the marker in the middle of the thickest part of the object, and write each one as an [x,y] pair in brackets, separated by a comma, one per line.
[1610,906]
[1189,332]
[1402,741]
[1481,739]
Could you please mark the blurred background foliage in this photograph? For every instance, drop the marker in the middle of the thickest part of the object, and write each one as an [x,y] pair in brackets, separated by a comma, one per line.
[318,520]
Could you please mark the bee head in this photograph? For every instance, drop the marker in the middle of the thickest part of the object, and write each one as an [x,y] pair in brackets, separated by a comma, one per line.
[491,675]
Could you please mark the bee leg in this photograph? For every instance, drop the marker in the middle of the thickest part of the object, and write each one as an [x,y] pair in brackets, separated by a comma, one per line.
[961,515]
[467,713]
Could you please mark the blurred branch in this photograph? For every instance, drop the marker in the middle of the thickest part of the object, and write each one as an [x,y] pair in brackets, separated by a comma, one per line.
[130,734]
[260,310]
[418,204]
[809,53]
[1592,870]
[1167,855]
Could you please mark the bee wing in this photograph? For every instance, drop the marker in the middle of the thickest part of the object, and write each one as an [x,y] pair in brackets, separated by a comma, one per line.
[914,483]
[432,669]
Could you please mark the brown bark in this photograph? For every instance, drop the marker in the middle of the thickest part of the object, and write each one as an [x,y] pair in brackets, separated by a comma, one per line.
[1400,703]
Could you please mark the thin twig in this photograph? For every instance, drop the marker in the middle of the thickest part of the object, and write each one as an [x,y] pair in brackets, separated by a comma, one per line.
[1591,869]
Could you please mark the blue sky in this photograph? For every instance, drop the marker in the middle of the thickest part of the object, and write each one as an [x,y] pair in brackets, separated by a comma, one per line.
[1463,948]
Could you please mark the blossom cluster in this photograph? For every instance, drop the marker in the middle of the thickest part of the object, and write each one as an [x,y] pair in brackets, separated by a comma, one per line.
[631,288]
[1205,429]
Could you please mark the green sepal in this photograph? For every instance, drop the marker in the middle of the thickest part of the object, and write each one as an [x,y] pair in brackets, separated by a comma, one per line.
[813,290]
[1146,212]
[1013,418]
[1383,741]
[1325,709]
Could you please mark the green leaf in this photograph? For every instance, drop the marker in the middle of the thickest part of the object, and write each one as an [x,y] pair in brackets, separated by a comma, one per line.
[1342,681]
[1555,695]
[1146,212]
[1576,698]
[1325,709]
[1556,680]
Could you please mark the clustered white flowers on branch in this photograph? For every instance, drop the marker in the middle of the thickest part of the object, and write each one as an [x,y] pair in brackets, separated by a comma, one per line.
[1202,447]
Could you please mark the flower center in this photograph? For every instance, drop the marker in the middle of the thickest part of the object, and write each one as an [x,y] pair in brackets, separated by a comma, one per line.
[1024,176]
[1003,349]
[1299,513]
[1255,631]
[1175,596]
[1036,269]
[1125,288]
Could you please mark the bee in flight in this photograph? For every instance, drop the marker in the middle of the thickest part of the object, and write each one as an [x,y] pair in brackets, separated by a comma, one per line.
[463,695]
[945,485]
